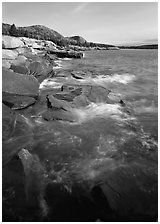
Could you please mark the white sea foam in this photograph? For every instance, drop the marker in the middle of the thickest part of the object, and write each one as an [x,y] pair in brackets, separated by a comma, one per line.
[67,59]
[59,64]
[101,79]
[97,110]
[144,106]
[146,109]
[50,83]
[57,67]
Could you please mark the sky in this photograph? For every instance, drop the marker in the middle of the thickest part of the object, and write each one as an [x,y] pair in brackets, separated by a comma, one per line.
[101,22]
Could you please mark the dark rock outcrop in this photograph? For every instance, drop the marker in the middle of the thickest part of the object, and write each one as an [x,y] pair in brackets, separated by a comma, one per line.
[15,101]
[66,54]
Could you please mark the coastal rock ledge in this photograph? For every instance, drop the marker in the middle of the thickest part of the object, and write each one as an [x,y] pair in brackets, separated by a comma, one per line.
[72,149]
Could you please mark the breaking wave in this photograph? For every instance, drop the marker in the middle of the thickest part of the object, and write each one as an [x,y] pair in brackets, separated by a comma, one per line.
[124,78]
[100,110]
[50,83]
[101,79]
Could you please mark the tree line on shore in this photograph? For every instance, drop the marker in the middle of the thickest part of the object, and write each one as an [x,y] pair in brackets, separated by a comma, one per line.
[44,33]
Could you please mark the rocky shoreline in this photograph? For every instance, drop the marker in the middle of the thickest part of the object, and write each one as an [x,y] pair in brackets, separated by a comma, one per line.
[40,105]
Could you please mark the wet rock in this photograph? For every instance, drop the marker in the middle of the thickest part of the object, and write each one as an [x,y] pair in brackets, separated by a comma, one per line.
[81,101]
[16,132]
[83,74]
[61,115]
[35,178]
[122,103]
[9,54]
[40,69]
[58,104]
[9,42]
[70,95]
[127,192]
[19,84]
[113,98]
[17,102]
[66,206]
[77,76]
[21,69]
[96,94]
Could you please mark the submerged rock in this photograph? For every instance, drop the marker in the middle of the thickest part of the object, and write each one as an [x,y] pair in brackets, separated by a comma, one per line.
[35,181]
[16,132]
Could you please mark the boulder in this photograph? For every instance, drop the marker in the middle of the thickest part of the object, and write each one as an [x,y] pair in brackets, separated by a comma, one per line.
[17,102]
[19,84]
[83,74]
[21,69]
[9,42]
[58,115]
[6,64]
[9,54]
[20,50]
[40,69]
[56,104]
[96,94]
[19,60]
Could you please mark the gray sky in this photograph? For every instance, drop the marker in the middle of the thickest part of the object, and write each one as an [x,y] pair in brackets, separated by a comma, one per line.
[103,22]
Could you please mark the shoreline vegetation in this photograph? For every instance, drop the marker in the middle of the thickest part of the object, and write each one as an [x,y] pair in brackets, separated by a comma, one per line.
[36,115]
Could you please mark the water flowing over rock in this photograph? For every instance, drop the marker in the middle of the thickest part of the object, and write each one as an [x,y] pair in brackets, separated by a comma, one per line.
[17,133]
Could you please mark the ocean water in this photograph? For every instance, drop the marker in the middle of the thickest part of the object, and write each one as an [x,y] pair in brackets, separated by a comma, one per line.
[104,164]
[133,74]
[105,145]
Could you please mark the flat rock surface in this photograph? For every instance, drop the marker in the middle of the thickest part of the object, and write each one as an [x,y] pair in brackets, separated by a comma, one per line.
[11,42]
[19,84]
[9,54]
[16,101]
